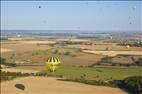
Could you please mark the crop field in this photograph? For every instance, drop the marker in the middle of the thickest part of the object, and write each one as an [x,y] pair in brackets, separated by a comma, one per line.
[40,85]
[103,73]
[23,47]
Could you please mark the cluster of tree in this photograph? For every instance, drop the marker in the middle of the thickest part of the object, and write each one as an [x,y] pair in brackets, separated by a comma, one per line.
[139,62]
[133,84]
[90,82]
[104,61]
[70,53]
[48,74]
[134,44]
[3,61]
[11,75]
[64,43]
[67,53]
[71,43]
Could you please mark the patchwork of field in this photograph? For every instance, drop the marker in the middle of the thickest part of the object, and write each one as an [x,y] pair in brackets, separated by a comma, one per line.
[39,51]
[41,85]
[76,60]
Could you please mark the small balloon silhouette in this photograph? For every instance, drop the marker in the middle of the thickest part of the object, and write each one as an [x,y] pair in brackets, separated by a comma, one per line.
[39,7]
[20,86]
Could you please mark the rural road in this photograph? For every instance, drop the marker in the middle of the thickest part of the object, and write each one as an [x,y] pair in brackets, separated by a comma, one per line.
[42,85]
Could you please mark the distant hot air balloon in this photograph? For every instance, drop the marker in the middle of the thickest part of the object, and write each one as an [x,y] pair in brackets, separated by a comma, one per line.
[134,8]
[52,63]
[130,22]
[39,6]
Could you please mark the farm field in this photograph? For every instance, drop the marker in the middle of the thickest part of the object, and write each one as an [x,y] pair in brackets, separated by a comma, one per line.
[30,57]
[42,85]
[103,46]
[114,53]
[22,47]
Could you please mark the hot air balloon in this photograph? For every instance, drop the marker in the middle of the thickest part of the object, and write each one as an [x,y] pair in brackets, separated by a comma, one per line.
[39,6]
[52,64]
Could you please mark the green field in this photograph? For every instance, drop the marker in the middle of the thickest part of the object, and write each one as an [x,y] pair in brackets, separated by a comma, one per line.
[98,73]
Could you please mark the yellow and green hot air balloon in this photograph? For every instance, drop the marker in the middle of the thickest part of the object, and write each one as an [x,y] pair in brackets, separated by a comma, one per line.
[52,63]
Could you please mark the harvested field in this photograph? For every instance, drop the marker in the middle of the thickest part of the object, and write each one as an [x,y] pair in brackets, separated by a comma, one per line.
[37,42]
[104,47]
[41,85]
[90,58]
[21,47]
[114,53]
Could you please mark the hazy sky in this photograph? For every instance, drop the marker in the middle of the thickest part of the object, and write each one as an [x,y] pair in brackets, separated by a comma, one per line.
[72,15]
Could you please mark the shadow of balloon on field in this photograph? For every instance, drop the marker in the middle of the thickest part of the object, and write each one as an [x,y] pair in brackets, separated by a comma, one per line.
[20,86]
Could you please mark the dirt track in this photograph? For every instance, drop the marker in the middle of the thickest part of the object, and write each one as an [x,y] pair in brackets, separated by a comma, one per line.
[41,85]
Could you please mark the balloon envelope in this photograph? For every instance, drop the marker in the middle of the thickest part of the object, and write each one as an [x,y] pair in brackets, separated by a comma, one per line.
[52,63]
